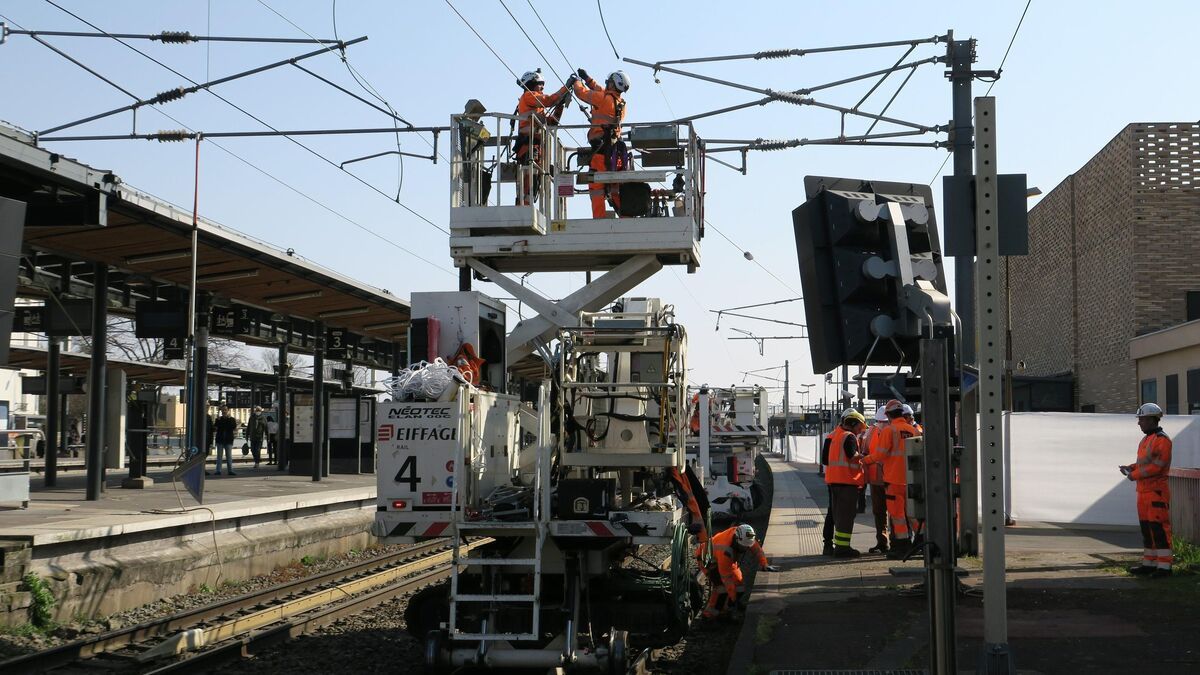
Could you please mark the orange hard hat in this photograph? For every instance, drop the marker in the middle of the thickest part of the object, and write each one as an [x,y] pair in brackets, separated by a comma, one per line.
[893,406]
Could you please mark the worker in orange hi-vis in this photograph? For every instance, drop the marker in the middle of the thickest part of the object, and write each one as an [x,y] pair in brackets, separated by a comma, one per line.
[889,451]
[534,102]
[608,112]
[874,478]
[1153,493]
[726,584]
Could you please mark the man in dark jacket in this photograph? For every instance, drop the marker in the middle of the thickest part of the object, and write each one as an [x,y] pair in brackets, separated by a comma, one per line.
[256,430]
[225,427]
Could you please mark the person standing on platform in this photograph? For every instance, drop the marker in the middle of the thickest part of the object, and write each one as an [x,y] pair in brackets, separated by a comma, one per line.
[844,477]
[1153,494]
[873,474]
[889,452]
[726,588]
[272,432]
[224,428]
[256,430]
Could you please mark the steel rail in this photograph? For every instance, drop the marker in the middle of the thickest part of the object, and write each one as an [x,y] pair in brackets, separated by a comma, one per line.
[208,661]
[123,637]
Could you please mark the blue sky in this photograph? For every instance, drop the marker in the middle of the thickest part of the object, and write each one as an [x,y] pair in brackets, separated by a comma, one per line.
[1077,73]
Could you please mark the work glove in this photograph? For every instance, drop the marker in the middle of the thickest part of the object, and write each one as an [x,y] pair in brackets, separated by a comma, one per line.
[571,80]
[771,568]
[583,74]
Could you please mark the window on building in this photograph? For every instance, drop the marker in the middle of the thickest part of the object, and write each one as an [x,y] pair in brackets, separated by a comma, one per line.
[1193,391]
[1150,391]
[1172,395]
[1193,305]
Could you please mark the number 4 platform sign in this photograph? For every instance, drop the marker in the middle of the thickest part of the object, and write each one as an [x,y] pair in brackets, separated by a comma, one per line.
[416,444]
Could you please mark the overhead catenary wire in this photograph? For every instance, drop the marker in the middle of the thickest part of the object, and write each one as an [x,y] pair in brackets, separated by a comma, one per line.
[260,121]
[603,23]
[281,182]
[481,39]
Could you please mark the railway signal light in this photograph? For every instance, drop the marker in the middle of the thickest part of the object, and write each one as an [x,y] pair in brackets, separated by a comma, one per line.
[871,267]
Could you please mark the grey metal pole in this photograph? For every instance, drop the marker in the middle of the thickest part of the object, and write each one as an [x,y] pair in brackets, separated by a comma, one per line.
[53,412]
[846,399]
[198,406]
[939,502]
[282,453]
[787,414]
[996,658]
[961,54]
[318,393]
[96,382]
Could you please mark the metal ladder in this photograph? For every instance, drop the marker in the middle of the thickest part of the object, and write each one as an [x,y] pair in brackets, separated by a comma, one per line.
[533,599]
[537,527]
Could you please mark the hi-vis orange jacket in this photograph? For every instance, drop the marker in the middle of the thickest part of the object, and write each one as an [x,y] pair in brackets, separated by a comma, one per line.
[726,556]
[844,468]
[533,103]
[1153,462]
[608,109]
[890,451]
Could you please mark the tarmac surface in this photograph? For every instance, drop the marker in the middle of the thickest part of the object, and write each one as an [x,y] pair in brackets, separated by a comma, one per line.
[1071,607]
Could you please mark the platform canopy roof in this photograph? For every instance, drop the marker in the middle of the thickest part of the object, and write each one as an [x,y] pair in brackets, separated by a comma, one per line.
[78,214]
[34,358]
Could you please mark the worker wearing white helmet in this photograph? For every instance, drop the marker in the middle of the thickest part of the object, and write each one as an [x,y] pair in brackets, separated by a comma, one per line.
[726,587]
[535,104]
[608,112]
[1153,493]
[889,451]
[874,478]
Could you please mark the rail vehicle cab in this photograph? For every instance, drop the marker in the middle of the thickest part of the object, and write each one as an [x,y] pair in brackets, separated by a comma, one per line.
[728,429]
[535,216]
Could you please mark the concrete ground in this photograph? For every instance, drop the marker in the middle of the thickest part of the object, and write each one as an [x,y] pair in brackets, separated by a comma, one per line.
[64,508]
[1071,608]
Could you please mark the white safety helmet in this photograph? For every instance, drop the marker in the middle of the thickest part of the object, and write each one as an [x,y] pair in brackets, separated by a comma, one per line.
[744,535]
[881,414]
[531,78]
[1149,410]
[907,409]
[620,81]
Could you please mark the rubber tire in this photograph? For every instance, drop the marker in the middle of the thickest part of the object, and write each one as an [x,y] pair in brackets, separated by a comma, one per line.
[618,652]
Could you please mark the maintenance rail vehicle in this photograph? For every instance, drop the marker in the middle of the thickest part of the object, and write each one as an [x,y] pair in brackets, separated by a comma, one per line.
[567,445]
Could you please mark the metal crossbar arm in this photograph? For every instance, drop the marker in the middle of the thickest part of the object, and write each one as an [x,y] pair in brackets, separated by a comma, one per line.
[876,144]
[885,77]
[792,97]
[170,37]
[180,92]
[873,140]
[759,318]
[883,71]
[353,95]
[740,169]
[762,101]
[785,53]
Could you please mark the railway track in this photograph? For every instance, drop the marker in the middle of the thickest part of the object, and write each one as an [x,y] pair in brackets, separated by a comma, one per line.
[250,623]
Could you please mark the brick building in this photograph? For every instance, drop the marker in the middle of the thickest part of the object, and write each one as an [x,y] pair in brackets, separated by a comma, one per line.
[1114,254]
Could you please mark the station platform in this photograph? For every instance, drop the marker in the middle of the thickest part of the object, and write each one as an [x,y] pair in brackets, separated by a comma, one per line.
[134,546]
[819,613]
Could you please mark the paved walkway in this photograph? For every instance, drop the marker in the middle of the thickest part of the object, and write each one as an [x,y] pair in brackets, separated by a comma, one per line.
[788,627]
[63,513]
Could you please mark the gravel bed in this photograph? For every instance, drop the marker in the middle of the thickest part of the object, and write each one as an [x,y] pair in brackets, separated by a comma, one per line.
[22,640]
[377,641]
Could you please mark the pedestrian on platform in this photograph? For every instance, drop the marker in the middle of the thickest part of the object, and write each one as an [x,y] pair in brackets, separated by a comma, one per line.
[873,474]
[889,451]
[224,429]
[256,430]
[1153,494]
[726,587]
[272,432]
[844,477]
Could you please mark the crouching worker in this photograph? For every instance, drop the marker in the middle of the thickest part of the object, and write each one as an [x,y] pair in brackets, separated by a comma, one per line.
[726,588]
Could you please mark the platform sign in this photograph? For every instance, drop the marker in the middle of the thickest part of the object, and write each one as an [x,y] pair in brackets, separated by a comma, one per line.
[416,445]
[157,319]
[29,319]
[173,348]
[340,343]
